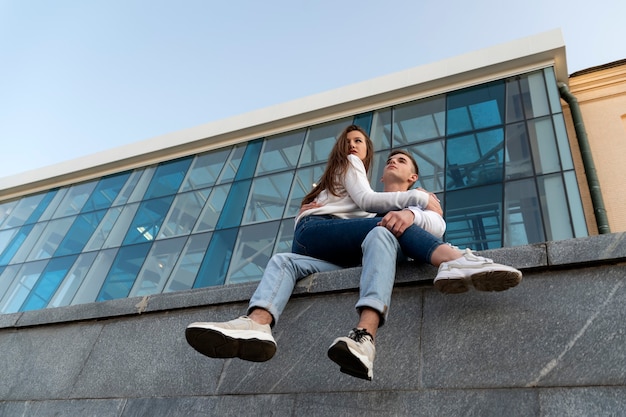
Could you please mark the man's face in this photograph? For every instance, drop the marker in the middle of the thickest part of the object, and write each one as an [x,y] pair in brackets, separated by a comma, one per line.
[399,168]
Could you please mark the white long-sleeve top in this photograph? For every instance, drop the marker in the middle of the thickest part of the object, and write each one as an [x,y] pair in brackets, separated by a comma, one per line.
[356,199]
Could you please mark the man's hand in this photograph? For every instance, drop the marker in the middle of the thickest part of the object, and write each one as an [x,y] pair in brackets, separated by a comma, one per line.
[397,221]
[309,206]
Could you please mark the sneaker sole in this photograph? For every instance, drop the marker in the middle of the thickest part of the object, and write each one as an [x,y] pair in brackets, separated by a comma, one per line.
[496,280]
[215,344]
[482,281]
[349,364]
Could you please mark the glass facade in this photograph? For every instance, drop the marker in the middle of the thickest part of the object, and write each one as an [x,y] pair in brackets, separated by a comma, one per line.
[497,155]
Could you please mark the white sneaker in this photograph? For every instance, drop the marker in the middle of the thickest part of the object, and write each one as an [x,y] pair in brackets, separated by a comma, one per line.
[240,338]
[354,354]
[484,274]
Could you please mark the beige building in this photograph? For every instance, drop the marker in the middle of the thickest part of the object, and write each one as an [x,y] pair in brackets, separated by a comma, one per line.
[601,95]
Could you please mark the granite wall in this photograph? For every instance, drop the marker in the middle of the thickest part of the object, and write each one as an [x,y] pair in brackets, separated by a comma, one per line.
[553,346]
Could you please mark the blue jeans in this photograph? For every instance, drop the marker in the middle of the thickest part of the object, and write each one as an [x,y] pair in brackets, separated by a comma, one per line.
[380,250]
[339,240]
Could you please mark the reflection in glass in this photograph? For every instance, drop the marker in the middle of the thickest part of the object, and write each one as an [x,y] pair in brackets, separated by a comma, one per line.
[148,219]
[522,215]
[106,192]
[475,108]
[184,213]
[157,267]
[23,283]
[167,178]
[535,96]
[419,121]
[213,208]
[303,182]
[48,282]
[80,233]
[188,264]
[575,204]
[320,140]
[88,289]
[474,217]
[518,156]
[543,143]
[252,252]
[74,200]
[475,159]
[280,152]
[205,169]
[74,278]
[123,271]
[268,196]
[553,205]
[381,129]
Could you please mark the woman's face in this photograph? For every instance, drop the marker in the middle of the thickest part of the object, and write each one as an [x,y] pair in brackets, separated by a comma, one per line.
[356,144]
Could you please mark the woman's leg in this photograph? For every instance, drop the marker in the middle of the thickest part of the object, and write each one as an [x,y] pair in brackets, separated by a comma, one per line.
[334,240]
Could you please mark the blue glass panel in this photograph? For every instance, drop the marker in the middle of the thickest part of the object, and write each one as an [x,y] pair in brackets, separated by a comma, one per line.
[320,139]
[217,259]
[522,214]
[474,217]
[544,145]
[232,164]
[475,159]
[514,101]
[267,197]
[303,181]
[184,213]
[6,209]
[519,163]
[280,152]
[74,199]
[106,192]
[48,283]
[15,244]
[124,270]
[148,219]
[157,267]
[168,177]
[364,121]
[205,169]
[188,264]
[381,129]
[249,160]
[252,252]
[553,90]
[212,208]
[235,204]
[73,279]
[418,121]
[562,140]
[476,108]
[575,204]
[533,90]
[79,233]
[21,286]
[554,207]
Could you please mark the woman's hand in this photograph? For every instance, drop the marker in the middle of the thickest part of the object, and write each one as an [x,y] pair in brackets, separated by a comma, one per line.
[433,203]
[309,206]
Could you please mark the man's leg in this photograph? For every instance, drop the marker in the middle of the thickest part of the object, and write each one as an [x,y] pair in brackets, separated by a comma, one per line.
[355,353]
[250,337]
[458,270]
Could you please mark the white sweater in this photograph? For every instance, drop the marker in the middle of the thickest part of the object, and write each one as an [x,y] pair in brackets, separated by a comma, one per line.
[356,199]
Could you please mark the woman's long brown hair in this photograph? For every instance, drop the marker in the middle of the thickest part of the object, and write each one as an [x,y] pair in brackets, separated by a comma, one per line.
[337,164]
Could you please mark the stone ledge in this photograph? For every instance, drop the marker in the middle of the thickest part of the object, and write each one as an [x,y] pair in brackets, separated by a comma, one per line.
[609,248]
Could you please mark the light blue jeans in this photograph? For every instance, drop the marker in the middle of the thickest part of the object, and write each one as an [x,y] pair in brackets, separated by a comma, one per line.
[380,251]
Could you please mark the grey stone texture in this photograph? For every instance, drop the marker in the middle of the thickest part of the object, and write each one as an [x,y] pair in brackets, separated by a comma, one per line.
[553,346]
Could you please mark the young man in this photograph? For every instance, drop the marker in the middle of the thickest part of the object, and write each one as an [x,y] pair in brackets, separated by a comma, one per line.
[250,337]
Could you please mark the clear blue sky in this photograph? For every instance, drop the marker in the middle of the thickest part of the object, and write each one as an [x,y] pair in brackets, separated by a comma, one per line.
[78,77]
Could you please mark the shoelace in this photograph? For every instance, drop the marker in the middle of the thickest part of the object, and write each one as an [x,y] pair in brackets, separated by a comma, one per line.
[359,334]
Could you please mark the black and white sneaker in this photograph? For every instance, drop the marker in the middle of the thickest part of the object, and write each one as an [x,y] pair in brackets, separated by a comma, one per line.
[354,354]
[240,338]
